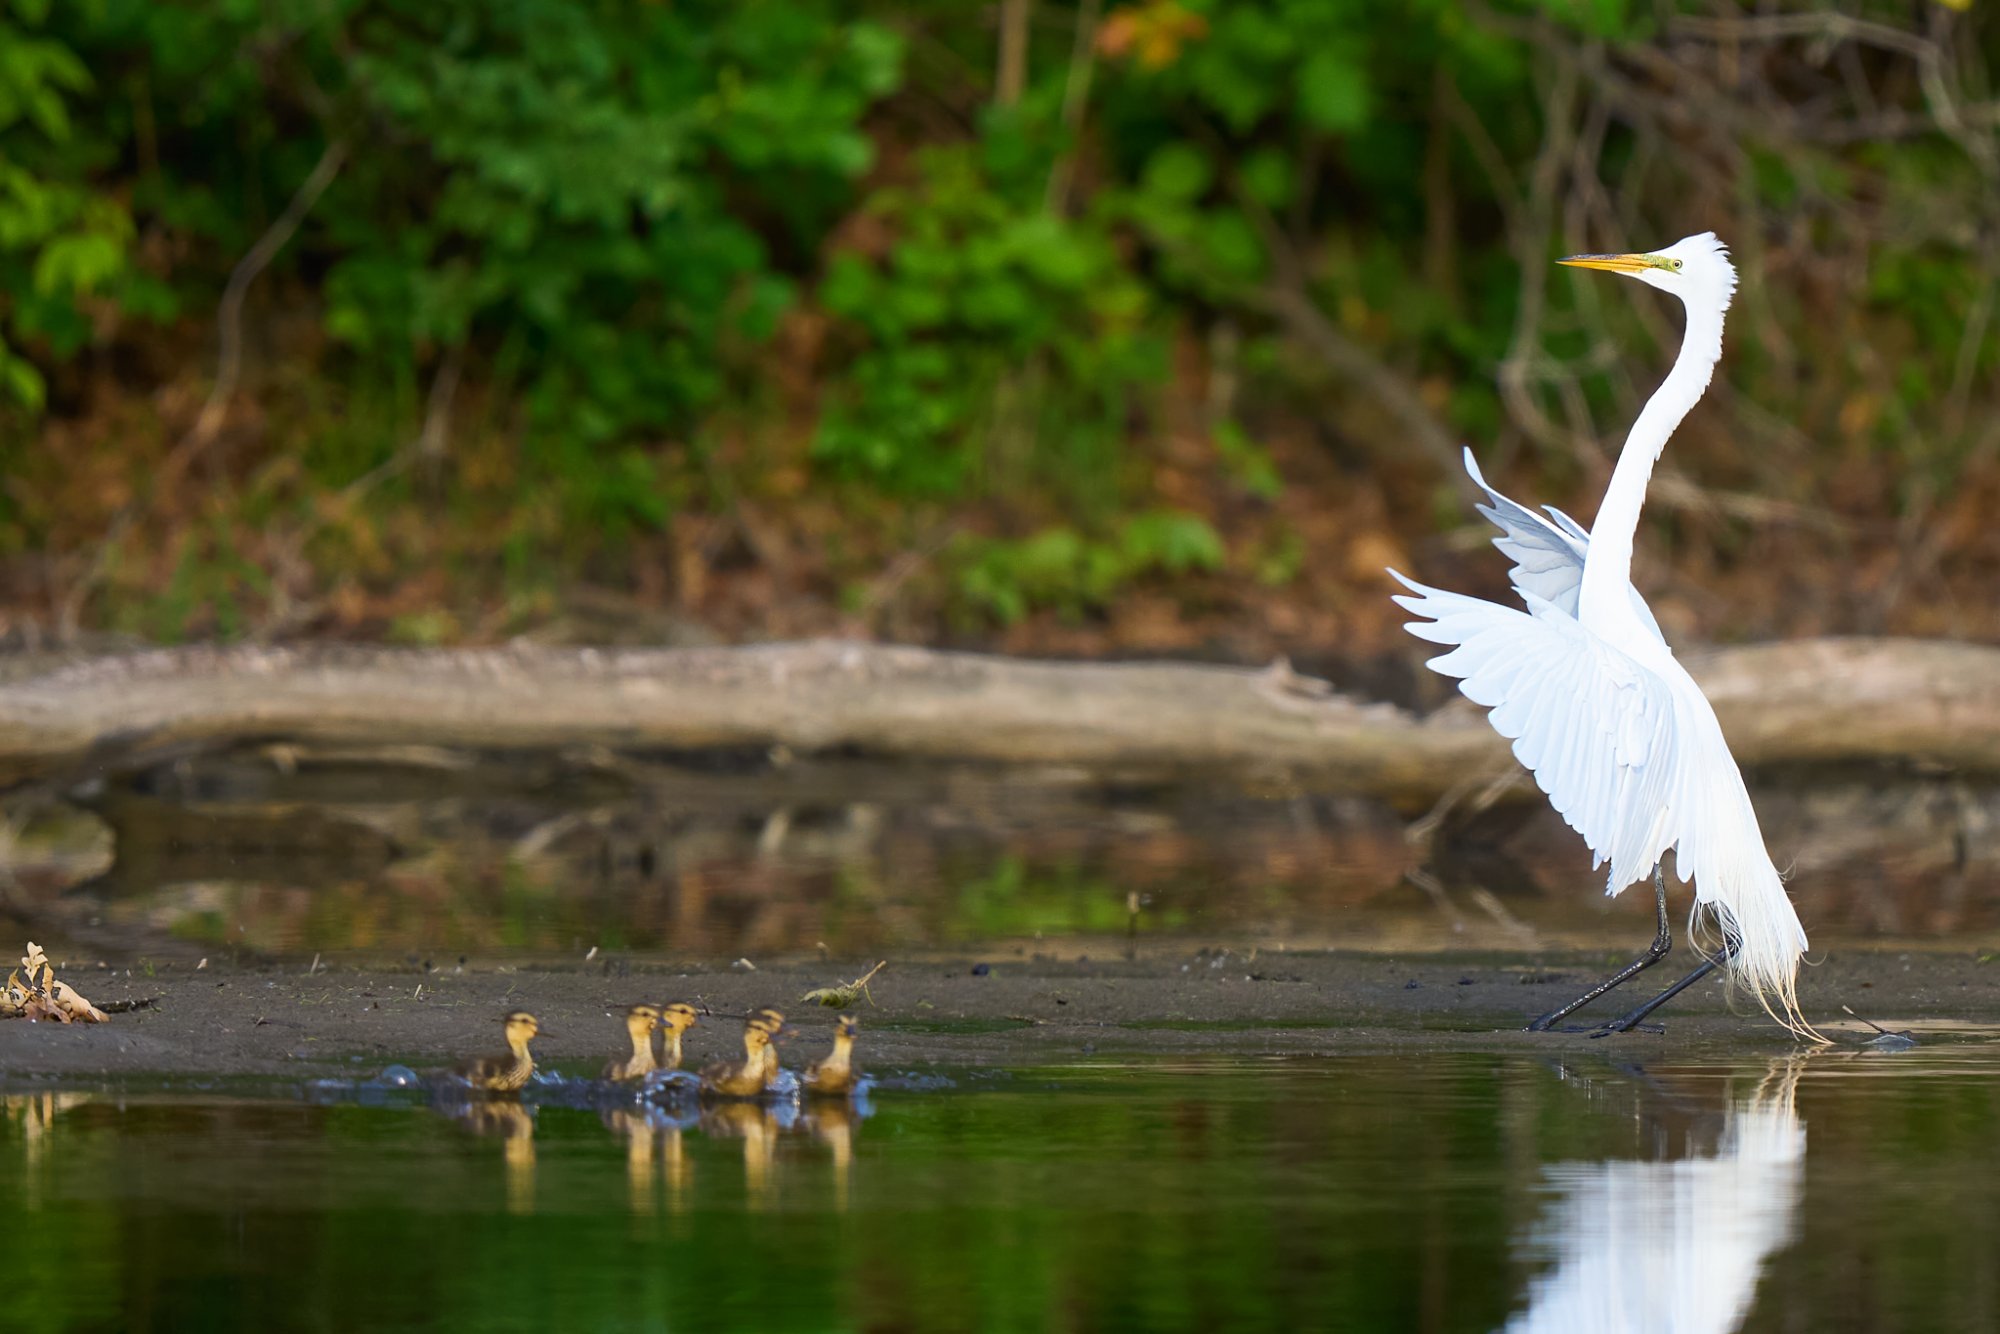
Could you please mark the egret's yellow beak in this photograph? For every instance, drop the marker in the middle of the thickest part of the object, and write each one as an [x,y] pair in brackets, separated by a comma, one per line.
[1615,263]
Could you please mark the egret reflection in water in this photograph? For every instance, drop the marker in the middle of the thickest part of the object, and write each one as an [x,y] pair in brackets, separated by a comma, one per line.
[1673,1247]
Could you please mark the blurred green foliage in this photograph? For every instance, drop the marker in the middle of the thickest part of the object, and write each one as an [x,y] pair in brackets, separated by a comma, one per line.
[1061,569]
[612,220]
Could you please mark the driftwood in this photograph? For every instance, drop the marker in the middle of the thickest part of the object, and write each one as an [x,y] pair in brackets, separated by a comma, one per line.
[1808,702]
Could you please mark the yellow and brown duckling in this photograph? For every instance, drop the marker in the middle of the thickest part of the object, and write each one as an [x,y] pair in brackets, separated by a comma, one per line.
[509,1073]
[834,1077]
[640,1021]
[774,1023]
[749,1077]
[675,1020]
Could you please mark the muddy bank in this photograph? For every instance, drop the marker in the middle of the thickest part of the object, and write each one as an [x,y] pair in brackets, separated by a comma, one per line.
[229,1021]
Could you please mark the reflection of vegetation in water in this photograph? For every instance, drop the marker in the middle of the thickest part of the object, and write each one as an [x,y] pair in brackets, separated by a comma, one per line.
[1012,900]
[453,901]
[1230,1025]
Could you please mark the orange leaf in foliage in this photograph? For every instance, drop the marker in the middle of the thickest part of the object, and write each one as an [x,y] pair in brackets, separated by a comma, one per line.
[1152,33]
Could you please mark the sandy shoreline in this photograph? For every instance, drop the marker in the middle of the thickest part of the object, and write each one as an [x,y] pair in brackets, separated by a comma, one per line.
[228,1020]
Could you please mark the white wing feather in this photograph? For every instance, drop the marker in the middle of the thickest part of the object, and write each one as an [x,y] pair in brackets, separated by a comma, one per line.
[1548,556]
[1595,727]
[1633,760]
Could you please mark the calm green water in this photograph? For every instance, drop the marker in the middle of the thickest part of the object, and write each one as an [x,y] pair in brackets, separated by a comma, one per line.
[1424,1193]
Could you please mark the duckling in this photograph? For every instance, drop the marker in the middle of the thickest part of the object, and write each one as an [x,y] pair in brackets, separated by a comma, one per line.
[834,1077]
[773,1022]
[640,1021]
[505,1074]
[748,1077]
[675,1020]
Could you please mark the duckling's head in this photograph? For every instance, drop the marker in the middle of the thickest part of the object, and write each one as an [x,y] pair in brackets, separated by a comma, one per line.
[768,1019]
[756,1037]
[679,1017]
[847,1027]
[521,1026]
[642,1019]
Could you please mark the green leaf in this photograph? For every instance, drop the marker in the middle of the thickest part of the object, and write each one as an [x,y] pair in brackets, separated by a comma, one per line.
[1267,176]
[1179,172]
[1333,90]
[1174,541]
[77,263]
[22,381]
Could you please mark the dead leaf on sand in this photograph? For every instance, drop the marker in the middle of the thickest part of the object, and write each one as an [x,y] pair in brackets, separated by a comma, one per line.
[846,993]
[39,996]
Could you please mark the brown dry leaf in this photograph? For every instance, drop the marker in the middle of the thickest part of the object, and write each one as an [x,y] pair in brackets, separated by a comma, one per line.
[42,997]
[74,1005]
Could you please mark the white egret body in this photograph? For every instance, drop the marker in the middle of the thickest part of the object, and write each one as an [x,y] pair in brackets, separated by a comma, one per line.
[1615,730]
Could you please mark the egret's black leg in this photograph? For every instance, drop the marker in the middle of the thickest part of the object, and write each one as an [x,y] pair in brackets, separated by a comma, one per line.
[1627,1022]
[1663,941]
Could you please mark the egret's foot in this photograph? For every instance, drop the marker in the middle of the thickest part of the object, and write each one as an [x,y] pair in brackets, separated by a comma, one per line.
[1626,1023]
[1663,941]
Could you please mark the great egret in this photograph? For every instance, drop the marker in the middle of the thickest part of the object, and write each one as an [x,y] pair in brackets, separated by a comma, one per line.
[1616,731]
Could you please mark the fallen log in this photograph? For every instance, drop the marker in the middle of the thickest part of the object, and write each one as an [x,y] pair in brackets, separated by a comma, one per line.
[1806,702]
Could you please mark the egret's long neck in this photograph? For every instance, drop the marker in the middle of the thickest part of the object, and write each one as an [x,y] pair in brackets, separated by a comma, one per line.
[1607,570]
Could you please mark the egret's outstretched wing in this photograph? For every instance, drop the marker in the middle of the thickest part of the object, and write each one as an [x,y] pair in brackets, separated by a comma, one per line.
[1595,727]
[1548,556]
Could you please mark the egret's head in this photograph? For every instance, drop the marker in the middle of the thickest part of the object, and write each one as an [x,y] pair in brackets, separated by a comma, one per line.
[1697,270]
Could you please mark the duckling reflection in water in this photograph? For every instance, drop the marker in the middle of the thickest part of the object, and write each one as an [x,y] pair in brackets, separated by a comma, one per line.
[640,1022]
[644,1131]
[831,1122]
[509,1073]
[675,1019]
[515,1125]
[1673,1245]
[834,1076]
[749,1077]
[757,1126]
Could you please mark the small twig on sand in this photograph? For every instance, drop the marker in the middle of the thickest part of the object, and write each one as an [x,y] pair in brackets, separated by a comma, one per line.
[1885,1032]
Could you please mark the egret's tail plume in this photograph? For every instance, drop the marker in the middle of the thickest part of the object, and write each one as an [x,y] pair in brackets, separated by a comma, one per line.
[1764,943]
